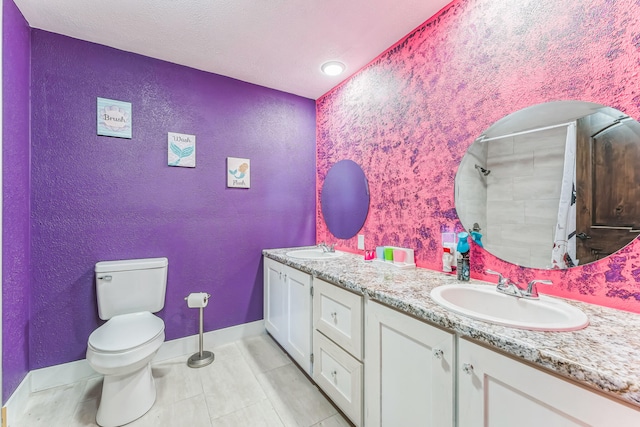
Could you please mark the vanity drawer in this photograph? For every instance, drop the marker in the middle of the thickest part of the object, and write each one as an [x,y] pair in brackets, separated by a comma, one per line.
[339,375]
[337,313]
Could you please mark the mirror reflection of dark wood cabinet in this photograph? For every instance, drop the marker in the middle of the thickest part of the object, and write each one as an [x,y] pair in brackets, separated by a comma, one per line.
[607,198]
[518,205]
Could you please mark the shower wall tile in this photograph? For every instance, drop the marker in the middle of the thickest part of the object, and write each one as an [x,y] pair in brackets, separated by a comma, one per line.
[506,212]
[541,211]
[499,189]
[500,147]
[544,187]
[512,165]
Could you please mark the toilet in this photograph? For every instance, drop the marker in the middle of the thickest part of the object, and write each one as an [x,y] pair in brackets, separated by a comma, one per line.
[128,292]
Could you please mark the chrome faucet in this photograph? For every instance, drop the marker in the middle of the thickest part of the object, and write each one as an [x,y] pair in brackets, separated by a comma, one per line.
[507,287]
[532,288]
[327,248]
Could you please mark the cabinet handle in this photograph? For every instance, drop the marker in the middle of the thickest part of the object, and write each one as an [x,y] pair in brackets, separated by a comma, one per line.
[334,375]
[285,277]
[334,316]
[467,368]
[438,353]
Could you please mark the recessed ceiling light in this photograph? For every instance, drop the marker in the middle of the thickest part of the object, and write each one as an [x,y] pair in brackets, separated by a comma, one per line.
[333,68]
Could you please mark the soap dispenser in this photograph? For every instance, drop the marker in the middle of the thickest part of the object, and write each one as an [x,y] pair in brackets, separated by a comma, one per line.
[463,265]
[477,238]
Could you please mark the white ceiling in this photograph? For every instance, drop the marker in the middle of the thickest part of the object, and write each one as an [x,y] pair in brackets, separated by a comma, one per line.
[274,43]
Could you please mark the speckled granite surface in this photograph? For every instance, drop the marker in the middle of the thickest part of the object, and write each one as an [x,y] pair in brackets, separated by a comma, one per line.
[605,355]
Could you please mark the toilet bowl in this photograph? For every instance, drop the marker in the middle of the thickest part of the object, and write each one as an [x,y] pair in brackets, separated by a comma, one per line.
[122,350]
[128,294]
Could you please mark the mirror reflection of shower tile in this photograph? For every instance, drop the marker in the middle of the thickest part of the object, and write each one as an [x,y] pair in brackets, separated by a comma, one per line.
[506,212]
[500,147]
[542,188]
[500,190]
[543,211]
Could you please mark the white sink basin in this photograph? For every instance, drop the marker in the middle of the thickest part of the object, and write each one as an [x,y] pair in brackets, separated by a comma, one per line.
[315,254]
[483,302]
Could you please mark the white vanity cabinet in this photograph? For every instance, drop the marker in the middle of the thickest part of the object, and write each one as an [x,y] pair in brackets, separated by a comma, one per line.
[495,390]
[287,310]
[409,371]
[337,347]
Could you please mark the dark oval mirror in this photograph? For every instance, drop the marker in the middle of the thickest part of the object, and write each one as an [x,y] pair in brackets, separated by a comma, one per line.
[345,199]
[554,185]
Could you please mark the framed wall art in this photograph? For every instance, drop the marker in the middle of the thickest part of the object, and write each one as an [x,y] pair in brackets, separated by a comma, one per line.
[114,118]
[238,172]
[181,150]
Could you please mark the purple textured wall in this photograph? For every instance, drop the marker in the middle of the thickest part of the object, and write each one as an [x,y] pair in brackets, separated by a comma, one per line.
[15,209]
[98,198]
[409,117]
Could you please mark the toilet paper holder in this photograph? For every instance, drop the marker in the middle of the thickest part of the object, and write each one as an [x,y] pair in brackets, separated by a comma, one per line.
[201,358]
[206,298]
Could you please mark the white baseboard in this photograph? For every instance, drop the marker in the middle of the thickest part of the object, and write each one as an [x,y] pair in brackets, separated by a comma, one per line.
[189,345]
[58,375]
[69,373]
[17,404]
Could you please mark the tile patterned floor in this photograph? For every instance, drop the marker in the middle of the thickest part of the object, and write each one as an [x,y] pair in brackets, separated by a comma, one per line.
[251,383]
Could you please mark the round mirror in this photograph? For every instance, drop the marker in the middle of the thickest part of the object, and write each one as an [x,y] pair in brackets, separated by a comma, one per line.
[555,185]
[345,199]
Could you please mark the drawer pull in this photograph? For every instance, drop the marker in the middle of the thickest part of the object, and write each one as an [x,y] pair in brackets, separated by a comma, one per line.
[334,375]
[438,353]
[334,316]
[467,368]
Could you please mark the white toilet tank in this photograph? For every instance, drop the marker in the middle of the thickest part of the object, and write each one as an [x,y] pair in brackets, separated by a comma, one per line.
[130,286]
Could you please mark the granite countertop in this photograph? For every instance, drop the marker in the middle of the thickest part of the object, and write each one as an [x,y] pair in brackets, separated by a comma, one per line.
[605,355]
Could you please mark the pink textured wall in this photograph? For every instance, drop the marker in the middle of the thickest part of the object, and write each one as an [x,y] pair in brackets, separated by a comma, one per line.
[409,117]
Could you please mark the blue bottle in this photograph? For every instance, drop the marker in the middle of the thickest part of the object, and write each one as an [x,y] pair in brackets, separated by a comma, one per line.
[477,238]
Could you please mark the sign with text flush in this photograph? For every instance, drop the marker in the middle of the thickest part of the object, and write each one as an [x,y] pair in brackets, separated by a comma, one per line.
[238,172]
[114,118]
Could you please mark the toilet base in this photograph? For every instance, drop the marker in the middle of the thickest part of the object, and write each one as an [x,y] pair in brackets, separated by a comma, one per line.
[126,397]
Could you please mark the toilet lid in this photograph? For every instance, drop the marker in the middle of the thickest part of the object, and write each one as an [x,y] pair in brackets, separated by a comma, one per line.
[126,331]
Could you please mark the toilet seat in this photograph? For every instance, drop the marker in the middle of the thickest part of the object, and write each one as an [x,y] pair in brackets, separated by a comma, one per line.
[125,343]
[126,332]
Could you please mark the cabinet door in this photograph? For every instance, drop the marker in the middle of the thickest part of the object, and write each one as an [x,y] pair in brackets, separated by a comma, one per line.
[495,391]
[299,317]
[275,300]
[408,371]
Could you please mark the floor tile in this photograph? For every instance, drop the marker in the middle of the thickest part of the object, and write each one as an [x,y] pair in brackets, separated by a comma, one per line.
[92,389]
[190,412]
[229,385]
[176,381]
[296,400]
[259,415]
[226,352]
[262,353]
[85,414]
[251,383]
[54,406]
[335,421]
